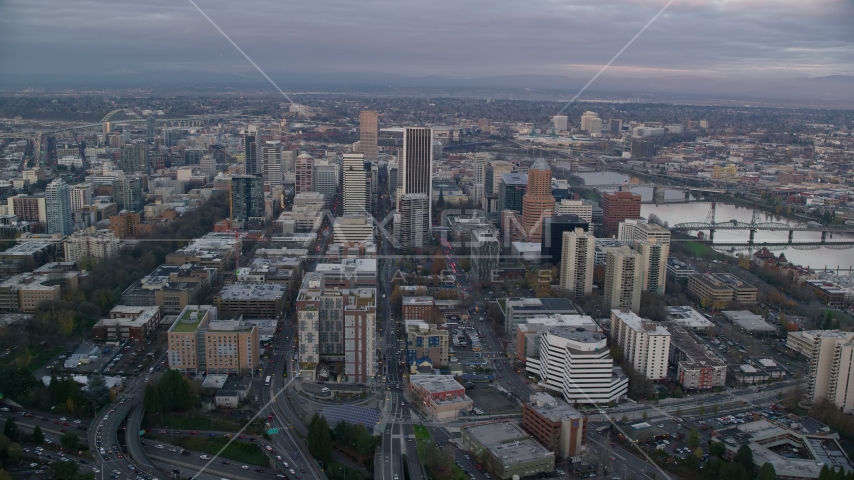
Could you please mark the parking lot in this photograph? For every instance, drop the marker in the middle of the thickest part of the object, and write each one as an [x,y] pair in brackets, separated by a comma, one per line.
[490,400]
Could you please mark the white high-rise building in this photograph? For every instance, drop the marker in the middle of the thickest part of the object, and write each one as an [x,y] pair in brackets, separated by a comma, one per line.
[578,251]
[271,161]
[100,244]
[587,119]
[580,208]
[632,231]
[354,183]
[576,362]
[481,159]
[654,265]
[623,278]
[831,362]
[560,123]
[412,221]
[416,164]
[208,165]
[58,206]
[80,195]
[645,344]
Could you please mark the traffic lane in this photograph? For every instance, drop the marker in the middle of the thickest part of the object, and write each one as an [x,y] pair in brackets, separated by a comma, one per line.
[283,411]
[191,465]
[623,459]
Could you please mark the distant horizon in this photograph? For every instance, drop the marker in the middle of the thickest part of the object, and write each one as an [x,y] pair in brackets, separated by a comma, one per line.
[832,91]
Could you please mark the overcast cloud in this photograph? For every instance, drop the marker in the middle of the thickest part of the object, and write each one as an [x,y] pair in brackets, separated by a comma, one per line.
[458,38]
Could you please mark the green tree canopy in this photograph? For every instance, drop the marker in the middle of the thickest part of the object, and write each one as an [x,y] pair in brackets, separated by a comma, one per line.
[744,457]
[767,472]
[10,429]
[97,392]
[693,438]
[38,436]
[319,439]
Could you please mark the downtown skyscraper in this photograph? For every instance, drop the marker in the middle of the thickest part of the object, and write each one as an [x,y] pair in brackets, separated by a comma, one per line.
[368,132]
[250,151]
[354,183]
[416,165]
[271,162]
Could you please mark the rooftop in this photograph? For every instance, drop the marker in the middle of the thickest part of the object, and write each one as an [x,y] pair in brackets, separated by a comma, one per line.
[241,291]
[553,409]
[508,442]
[638,324]
[687,317]
[188,321]
[579,334]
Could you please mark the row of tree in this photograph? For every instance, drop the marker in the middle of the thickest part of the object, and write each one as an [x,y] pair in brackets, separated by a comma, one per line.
[172,393]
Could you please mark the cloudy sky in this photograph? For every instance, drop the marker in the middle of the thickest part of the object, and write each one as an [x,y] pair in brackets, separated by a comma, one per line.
[455,38]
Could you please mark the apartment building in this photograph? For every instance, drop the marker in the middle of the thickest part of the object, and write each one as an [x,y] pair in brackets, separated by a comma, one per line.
[831,367]
[418,308]
[579,208]
[337,327]
[426,340]
[645,344]
[127,322]
[623,278]
[576,264]
[199,341]
[94,244]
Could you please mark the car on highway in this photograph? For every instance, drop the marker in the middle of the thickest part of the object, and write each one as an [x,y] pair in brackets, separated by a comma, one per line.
[159,447]
[205,457]
[245,467]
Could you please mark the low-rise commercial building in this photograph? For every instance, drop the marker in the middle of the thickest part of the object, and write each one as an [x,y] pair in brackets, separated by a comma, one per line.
[127,322]
[720,289]
[252,300]
[679,270]
[350,273]
[418,308]
[748,321]
[688,318]
[441,396]
[506,449]
[555,424]
[697,368]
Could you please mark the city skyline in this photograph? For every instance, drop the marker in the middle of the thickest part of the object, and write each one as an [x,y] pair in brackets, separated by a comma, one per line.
[717,44]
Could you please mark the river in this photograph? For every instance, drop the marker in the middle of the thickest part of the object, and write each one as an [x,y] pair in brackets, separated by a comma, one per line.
[697,212]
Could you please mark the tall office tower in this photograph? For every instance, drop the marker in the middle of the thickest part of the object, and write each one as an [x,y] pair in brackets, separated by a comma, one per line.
[289,160]
[494,170]
[511,191]
[633,231]
[133,158]
[416,164]
[623,278]
[576,262]
[579,208]
[393,180]
[654,265]
[271,161]
[595,126]
[219,152]
[304,167]
[538,201]
[149,130]
[368,131]
[560,123]
[58,205]
[412,221]
[587,119]
[208,165]
[80,195]
[193,156]
[619,206]
[354,183]
[615,126]
[247,197]
[481,159]
[251,165]
[325,179]
[485,251]
[127,194]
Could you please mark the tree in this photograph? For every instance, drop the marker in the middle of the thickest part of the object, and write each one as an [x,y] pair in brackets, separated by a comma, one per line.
[693,439]
[38,436]
[10,429]
[645,416]
[70,440]
[767,472]
[319,441]
[692,462]
[441,202]
[98,393]
[717,449]
[624,419]
[678,412]
[744,457]
[4,475]
[715,408]
[733,471]
[63,470]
